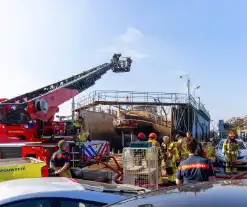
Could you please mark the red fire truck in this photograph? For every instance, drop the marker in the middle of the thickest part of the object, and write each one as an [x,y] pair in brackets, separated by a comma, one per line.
[27,126]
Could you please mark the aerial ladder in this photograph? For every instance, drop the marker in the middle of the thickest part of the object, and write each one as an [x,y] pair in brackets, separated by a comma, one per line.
[39,106]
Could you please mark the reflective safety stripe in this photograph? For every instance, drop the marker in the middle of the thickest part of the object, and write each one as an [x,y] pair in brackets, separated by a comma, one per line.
[191,166]
[154,142]
[231,152]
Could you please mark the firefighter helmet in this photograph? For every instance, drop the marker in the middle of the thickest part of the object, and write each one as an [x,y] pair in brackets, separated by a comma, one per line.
[141,135]
[153,136]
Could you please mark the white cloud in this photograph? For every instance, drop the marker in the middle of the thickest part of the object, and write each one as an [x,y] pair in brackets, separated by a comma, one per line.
[130,43]
[131,35]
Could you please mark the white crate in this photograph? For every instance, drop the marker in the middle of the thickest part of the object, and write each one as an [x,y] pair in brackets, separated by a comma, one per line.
[140,167]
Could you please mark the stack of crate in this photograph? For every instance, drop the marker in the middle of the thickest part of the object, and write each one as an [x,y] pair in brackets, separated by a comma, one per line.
[140,165]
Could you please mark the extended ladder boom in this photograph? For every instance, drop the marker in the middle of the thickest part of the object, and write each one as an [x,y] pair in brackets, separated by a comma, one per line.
[43,103]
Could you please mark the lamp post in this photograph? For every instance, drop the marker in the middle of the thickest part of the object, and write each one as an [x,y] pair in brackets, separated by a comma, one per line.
[194,91]
[188,87]
[194,94]
[214,128]
[199,99]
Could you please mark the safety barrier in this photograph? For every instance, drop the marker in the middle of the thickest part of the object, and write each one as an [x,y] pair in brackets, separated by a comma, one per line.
[91,151]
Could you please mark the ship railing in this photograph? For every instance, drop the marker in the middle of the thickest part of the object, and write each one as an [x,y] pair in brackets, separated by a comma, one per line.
[199,106]
[132,97]
[101,109]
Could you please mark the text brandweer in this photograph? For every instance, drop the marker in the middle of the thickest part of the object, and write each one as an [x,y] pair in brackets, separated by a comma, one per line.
[12,169]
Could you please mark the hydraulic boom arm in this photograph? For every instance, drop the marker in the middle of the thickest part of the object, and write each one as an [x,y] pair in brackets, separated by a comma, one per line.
[43,103]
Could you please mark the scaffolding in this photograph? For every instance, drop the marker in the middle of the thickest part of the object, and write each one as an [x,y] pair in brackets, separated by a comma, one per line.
[184,112]
[101,97]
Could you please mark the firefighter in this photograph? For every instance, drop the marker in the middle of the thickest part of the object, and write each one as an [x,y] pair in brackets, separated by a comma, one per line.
[60,160]
[181,146]
[129,61]
[116,59]
[188,135]
[171,157]
[153,139]
[194,168]
[141,137]
[231,149]
[210,151]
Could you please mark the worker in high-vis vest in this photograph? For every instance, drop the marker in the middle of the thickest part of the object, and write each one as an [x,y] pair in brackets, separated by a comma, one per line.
[231,150]
[171,157]
[181,146]
[153,139]
[210,151]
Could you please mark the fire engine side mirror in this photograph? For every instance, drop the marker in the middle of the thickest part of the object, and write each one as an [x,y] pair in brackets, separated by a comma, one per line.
[41,105]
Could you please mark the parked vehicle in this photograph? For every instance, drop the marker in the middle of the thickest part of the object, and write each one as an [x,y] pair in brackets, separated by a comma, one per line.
[22,168]
[241,160]
[222,193]
[61,192]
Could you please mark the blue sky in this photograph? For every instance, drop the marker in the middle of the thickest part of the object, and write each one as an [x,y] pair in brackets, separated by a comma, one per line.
[43,41]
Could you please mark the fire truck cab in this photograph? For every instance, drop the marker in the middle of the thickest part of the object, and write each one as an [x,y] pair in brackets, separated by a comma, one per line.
[38,150]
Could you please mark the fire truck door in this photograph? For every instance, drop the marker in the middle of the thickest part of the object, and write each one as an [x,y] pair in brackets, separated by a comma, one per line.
[38,152]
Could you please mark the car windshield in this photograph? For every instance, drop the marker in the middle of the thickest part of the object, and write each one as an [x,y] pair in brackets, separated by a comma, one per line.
[241,145]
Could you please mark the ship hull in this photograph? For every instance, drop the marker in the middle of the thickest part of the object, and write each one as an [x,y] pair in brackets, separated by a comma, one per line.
[100,127]
[145,127]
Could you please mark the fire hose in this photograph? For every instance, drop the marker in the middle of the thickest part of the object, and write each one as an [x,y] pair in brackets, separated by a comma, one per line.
[240,176]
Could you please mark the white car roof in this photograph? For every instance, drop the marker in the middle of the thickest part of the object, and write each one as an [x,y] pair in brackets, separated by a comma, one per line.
[28,188]
[18,187]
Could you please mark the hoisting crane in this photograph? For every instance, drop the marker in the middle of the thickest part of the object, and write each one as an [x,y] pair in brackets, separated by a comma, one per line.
[25,116]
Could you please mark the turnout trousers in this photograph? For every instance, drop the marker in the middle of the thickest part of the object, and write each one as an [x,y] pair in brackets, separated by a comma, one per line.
[230,162]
